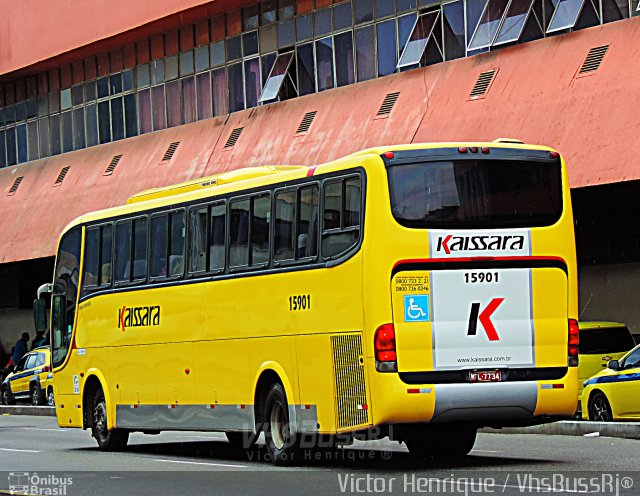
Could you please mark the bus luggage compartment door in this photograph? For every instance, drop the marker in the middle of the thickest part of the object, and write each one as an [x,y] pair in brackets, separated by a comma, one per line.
[480,319]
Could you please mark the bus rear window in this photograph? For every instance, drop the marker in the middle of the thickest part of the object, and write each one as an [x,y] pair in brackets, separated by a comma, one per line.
[476,193]
[605,340]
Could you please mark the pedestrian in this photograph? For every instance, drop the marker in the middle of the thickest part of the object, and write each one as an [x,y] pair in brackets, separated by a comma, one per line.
[39,340]
[21,348]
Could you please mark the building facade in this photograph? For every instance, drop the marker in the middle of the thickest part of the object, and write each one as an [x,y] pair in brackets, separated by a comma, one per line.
[103,99]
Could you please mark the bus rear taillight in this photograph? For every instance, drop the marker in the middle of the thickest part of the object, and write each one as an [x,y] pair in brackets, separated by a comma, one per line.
[574,341]
[385,348]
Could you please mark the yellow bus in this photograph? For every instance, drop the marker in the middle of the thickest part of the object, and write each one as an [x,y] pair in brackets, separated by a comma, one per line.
[417,292]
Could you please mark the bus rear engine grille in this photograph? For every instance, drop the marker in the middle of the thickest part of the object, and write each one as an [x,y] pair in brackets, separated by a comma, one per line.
[351,392]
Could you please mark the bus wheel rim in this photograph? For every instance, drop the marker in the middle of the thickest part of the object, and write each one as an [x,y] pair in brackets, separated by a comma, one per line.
[278,426]
[99,419]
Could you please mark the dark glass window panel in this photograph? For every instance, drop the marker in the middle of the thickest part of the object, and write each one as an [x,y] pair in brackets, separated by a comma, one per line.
[419,39]
[78,129]
[10,114]
[174,106]
[365,53]
[488,25]
[3,150]
[387,47]
[217,53]
[2,121]
[67,131]
[286,34]
[32,108]
[157,71]
[186,63]
[176,244]
[43,105]
[260,229]
[306,69]
[266,63]
[127,80]
[474,11]
[453,23]
[188,100]
[405,27]
[157,104]
[90,91]
[307,238]
[202,58]
[322,21]
[234,48]
[268,39]
[250,43]
[218,237]
[362,11]
[65,103]
[21,111]
[117,119]
[142,76]
[252,81]
[12,157]
[104,122]
[105,255]
[284,233]
[352,202]
[115,83]
[236,88]
[250,17]
[203,92]
[144,111]
[600,341]
[566,15]
[77,95]
[219,90]
[54,102]
[304,27]
[404,5]
[171,68]
[43,137]
[139,249]
[267,11]
[197,240]
[130,115]
[21,138]
[384,8]
[514,20]
[91,122]
[239,233]
[103,87]
[32,138]
[123,252]
[159,245]
[286,9]
[54,130]
[91,258]
[614,10]
[345,71]
[276,77]
[342,16]
[324,63]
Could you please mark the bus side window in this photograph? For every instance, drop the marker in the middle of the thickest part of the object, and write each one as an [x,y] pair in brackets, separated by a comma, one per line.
[91,255]
[105,255]
[123,252]
[260,222]
[284,223]
[198,240]
[217,237]
[159,245]
[176,244]
[239,235]
[307,242]
[341,216]
[140,249]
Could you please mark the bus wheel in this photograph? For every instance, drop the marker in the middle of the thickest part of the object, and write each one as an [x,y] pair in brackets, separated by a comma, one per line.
[599,408]
[36,395]
[282,446]
[108,440]
[242,440]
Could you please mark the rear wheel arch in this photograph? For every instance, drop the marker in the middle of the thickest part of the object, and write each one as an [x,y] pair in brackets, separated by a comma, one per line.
[269,374]
[92,385]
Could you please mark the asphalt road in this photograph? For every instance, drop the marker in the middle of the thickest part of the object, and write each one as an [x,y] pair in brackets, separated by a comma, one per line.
[36,454]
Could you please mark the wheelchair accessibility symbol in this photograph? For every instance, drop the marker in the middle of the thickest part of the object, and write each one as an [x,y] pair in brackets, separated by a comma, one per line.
[416,308]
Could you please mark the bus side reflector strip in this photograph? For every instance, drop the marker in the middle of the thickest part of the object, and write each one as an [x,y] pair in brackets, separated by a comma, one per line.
[419,391]
[363,407]
[551,386]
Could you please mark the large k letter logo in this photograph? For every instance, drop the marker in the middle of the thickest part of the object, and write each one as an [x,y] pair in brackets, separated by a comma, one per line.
[484,318]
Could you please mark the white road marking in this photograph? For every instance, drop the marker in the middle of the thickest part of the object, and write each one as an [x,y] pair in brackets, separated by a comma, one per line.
[485,451]
[43,429]
[200,463]
[19,450]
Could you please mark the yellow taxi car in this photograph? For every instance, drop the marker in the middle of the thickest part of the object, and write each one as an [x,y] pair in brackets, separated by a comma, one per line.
[614,393]
[31,379]
[600,342]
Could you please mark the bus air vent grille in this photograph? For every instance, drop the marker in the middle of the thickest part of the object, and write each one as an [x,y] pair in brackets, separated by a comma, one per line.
[351,391]
[62,175]
[388,104]
[306,122]
[168,155]
[482,84]
[594,59]
[233,137]
[112,165]
[15,185]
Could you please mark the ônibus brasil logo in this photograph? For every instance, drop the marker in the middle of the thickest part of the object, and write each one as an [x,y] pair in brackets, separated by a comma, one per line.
[138,317]
[494,242]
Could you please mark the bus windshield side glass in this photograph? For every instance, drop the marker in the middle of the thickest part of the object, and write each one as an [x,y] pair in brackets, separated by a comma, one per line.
[476,193]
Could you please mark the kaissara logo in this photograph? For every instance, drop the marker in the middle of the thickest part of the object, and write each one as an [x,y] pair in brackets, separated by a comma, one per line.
[138,317]
[497,242]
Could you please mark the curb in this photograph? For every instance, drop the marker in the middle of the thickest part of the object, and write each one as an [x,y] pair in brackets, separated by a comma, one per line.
[627,430]
[37,411]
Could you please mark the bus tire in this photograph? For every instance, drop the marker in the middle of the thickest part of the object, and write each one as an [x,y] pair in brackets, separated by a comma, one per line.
[282,446]
[108,440]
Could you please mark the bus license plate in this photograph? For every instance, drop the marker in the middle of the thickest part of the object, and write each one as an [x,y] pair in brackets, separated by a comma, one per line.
[485,376]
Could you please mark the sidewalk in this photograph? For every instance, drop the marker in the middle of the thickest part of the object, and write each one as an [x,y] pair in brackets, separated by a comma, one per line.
[38,411]
[628,430]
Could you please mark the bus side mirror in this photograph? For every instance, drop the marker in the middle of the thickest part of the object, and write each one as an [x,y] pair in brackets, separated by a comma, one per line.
[40,314]
[613,365]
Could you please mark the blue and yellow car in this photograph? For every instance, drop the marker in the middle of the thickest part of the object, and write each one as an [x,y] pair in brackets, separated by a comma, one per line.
[614,393]
[31,379]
